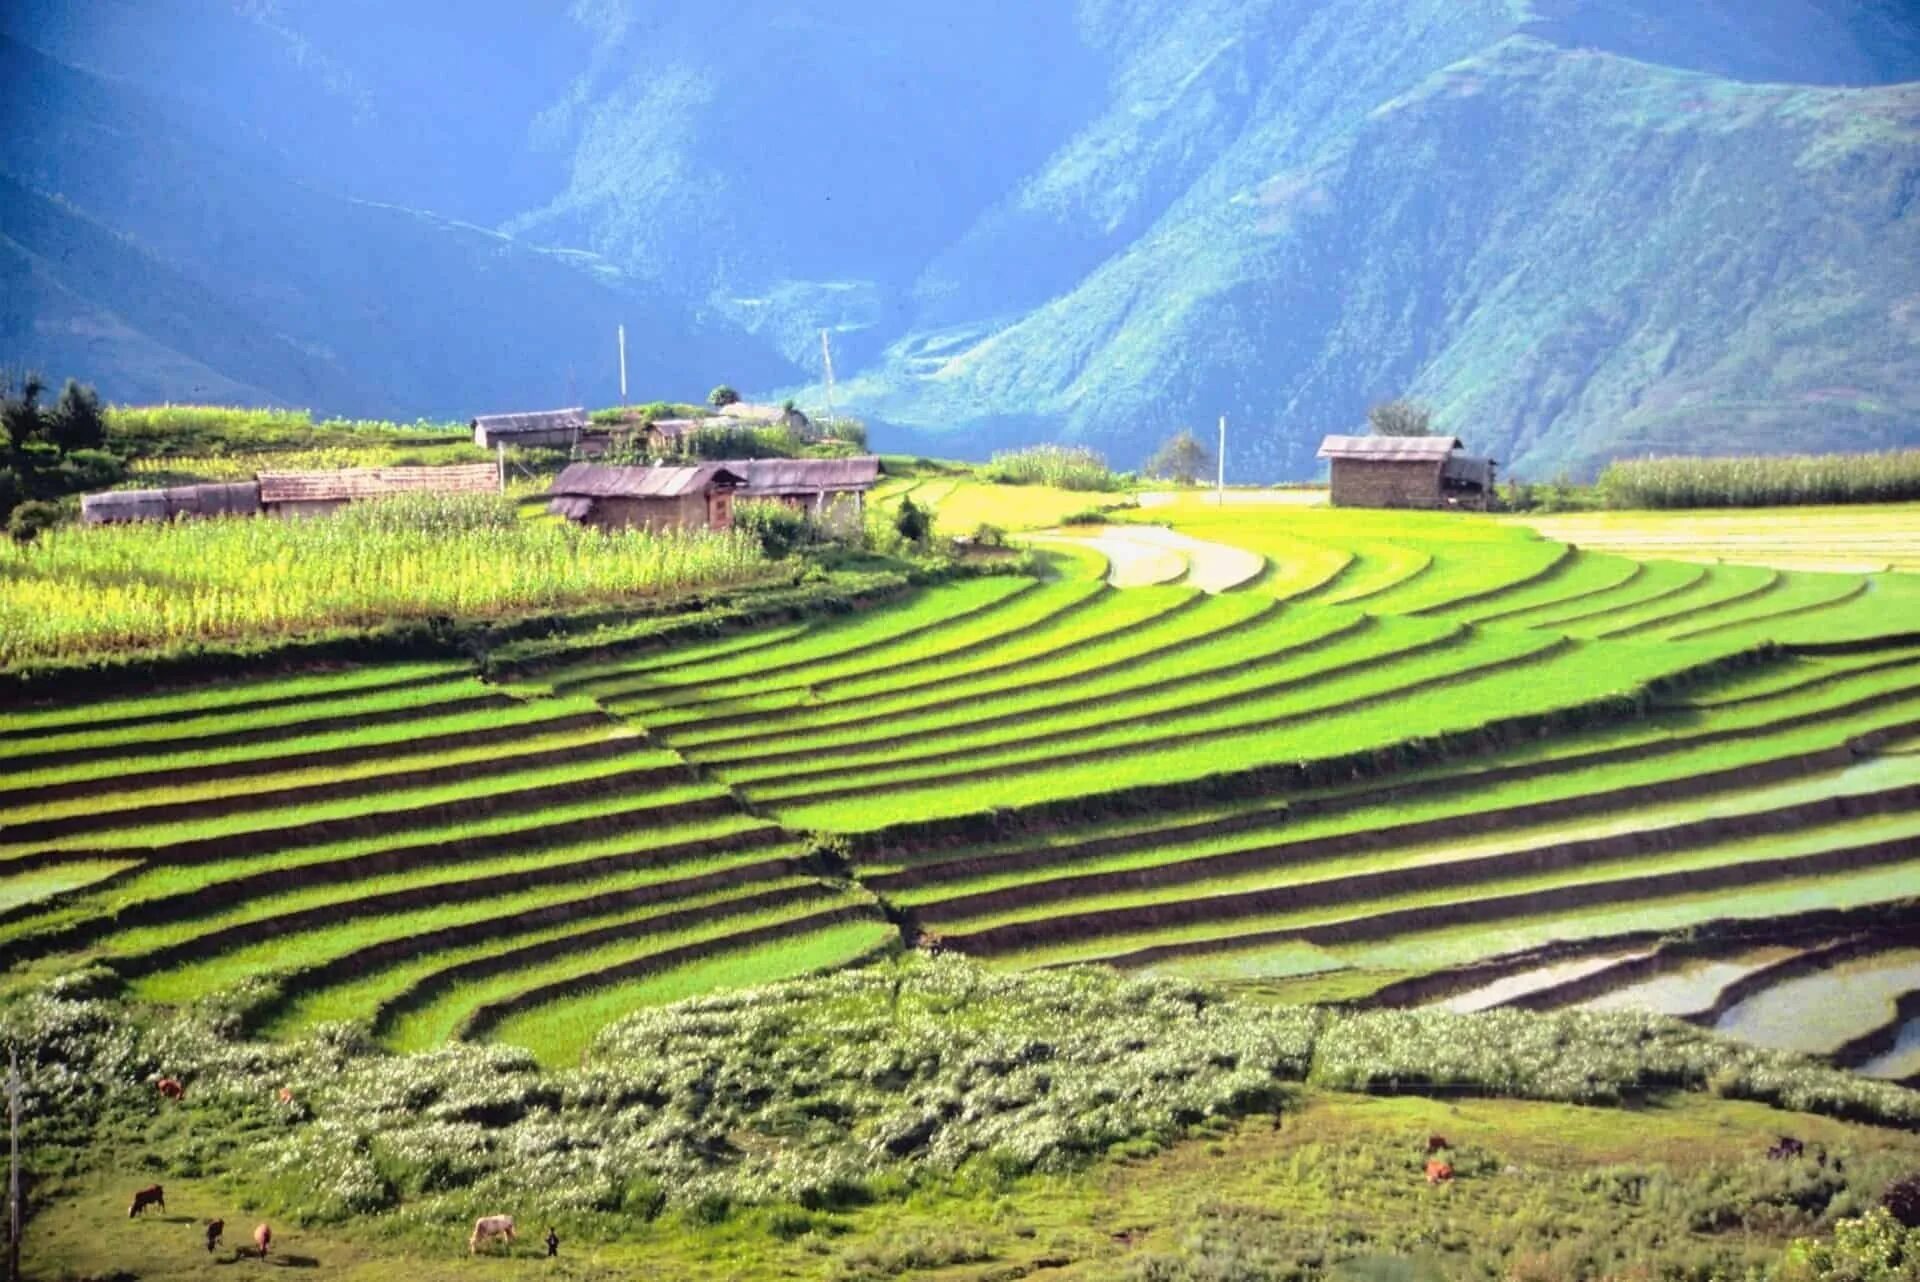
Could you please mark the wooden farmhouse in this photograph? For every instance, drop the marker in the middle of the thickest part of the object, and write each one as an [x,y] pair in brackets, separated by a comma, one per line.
[1407,471]
[699,497]
[287,493]
[542,429]
[831,491]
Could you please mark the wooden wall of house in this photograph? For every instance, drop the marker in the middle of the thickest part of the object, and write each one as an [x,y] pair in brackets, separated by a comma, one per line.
[687,512]
[1382,483]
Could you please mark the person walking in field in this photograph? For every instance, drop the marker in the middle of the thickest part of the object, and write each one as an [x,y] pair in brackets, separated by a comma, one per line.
[553,1242]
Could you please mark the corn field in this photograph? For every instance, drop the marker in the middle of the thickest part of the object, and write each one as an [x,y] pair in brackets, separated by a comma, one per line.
[81,590]
[1068,467]
[144,430]
[1889,477]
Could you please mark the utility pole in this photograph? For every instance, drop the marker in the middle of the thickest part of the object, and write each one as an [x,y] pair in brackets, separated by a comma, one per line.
[1220,485]
[623,367]
[826,358]
[13,1164]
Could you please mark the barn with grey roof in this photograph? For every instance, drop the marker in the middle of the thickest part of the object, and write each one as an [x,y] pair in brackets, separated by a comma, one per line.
[1407,472]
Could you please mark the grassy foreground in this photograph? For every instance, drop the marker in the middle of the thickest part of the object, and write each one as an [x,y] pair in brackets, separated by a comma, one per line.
[1334,1181]
[924,1117]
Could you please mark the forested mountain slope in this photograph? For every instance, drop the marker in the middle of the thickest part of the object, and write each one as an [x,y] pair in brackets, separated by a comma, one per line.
[1579,227]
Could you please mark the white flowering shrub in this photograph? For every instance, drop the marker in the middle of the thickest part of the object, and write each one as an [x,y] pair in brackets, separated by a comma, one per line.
[823,1092]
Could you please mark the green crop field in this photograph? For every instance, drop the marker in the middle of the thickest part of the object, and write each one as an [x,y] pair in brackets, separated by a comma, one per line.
[1407,760]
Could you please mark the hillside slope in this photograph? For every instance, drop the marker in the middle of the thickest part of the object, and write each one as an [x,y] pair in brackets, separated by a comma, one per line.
[164,264]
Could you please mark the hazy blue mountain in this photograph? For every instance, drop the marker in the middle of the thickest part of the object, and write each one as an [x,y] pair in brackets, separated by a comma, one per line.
[1578,227]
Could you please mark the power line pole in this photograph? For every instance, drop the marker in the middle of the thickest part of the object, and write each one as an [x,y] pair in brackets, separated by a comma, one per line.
[1220,485]
[826,358]
[13,1164]
[623,367]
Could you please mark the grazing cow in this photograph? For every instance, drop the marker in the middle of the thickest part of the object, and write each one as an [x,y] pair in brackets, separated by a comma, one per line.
[1439,1172]
[170,1088]
[1437,1144]
[152,1195]
[262,1238]
[489,1227]
[1788,1147]
[214,1229]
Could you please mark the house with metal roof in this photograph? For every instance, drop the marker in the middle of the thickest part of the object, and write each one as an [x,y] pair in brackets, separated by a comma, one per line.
[1407,471]
[316,493]
[542,429]
[698,497]
[831,491]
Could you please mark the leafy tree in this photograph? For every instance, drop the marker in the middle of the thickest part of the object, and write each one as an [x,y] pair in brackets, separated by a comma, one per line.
[20,413]
[723,396]
[1400,417]
[75,422]
[912,522]
[1181,458]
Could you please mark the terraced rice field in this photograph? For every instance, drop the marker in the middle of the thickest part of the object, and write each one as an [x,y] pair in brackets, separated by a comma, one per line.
[1385,748]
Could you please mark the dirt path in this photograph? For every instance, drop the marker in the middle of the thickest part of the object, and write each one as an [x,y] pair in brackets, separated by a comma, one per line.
[1141,555]
[1236,498]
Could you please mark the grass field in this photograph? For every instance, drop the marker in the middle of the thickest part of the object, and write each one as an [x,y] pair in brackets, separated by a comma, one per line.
[1404,759]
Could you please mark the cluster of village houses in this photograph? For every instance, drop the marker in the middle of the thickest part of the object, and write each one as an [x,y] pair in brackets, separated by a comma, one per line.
[831,492]
[1366,471]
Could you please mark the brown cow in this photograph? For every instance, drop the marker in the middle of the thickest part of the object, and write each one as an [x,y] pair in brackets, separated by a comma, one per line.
[170,1088]
[1439,1172]
[285,1096]
[1437,1144]
[214,1229]
[262,1239]
[152,1195]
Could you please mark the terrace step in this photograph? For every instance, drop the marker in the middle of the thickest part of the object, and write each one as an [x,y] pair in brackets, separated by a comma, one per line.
[1565,898]
[1386,836]
[607,749]
[131,780]
[436,894]
[184,905]
[616,690]
[787,796]
[1689,577]
[484,1018]
[731,753]
[692,735]
[1411,879]
[131,721]
[25,761]
[323,832]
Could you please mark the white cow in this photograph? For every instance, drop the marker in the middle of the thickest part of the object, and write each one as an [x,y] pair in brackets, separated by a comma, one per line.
[489,1227]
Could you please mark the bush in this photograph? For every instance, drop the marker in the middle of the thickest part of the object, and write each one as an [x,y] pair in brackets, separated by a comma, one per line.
[779,528]
[31,519]
[1066,467]
[913,522]
[722,396]
[1902,1200]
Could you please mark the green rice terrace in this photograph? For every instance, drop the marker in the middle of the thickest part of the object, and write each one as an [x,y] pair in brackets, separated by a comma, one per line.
[1361,807]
